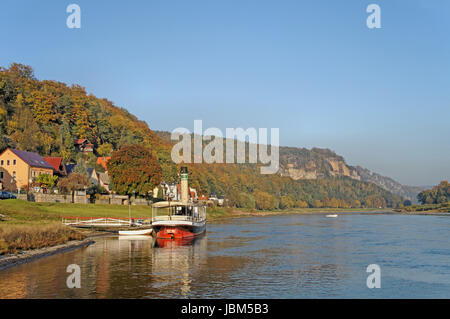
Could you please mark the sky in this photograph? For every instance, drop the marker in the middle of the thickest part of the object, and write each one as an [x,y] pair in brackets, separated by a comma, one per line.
[313,69]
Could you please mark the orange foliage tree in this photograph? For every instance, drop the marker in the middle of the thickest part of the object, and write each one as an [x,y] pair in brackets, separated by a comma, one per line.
[134,168]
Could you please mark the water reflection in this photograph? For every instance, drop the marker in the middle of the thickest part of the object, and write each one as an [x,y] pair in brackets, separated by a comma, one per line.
[178,262]
[112,267]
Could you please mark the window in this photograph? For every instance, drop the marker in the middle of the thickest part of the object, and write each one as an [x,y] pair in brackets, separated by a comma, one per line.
[1,175]
[7,162]
[34,173]
[1,162]
[14,162]
[14,174]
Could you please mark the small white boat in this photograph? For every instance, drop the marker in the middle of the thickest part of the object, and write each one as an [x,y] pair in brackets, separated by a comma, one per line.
[332,215]
[135,237]
[136,232]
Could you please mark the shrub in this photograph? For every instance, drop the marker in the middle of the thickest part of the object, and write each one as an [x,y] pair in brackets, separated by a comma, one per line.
[14,238]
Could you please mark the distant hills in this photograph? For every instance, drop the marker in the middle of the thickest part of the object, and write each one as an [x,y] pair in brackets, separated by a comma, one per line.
[46,116]
[301,163]
[304,164]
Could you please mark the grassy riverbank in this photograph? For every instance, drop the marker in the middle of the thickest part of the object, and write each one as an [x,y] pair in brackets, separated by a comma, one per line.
[429,208]
[27,225]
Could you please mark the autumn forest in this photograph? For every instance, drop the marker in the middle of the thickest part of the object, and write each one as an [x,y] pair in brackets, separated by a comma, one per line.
[46,116]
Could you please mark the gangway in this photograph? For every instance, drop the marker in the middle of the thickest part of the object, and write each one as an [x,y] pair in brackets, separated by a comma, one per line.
[87,222]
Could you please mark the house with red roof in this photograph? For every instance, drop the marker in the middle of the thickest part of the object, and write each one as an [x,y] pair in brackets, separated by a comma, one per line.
[57,163]
[83,145]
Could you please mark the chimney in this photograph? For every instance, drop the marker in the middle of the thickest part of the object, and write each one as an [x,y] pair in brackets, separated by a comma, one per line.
[184,184]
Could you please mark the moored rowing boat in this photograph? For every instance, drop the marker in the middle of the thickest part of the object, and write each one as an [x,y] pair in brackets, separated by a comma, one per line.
[136,232]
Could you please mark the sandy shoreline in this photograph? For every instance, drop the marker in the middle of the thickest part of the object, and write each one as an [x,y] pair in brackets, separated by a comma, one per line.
[31,255]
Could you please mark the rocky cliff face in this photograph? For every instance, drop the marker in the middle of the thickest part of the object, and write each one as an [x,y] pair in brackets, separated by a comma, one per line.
[317,163]
[301,163]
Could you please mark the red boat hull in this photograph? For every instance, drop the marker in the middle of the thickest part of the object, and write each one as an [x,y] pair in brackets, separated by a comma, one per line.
[178,232]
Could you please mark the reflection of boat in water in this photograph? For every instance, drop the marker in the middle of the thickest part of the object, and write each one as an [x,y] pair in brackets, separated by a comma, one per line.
[177,263]
[179,219]
[176,242]
[136,237]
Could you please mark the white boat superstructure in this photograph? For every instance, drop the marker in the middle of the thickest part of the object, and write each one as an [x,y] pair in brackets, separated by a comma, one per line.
[175,219]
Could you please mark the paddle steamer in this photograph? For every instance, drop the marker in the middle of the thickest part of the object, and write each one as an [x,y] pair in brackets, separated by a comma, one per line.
[179,219]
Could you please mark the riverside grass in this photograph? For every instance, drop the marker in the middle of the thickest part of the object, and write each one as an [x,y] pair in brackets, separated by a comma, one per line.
[22,212]
[16,238]
[29,225]
[438,208]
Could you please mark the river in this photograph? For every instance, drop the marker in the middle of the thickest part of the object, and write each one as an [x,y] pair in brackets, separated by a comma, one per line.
[282,256]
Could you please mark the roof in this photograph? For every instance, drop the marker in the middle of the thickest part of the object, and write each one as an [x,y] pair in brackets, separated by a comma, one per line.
[91,172]
[173,203]
[32,159]
[79,141]
[104,178]
[54,161]
[70,168]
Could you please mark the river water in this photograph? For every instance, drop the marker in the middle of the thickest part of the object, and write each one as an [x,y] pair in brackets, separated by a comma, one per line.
[283,256]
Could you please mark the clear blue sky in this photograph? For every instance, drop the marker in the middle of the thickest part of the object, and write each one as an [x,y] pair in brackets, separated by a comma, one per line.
[380,98]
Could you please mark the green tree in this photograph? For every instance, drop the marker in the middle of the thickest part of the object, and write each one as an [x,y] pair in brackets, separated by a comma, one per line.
[246,201]
[356,204]
[105,149]
[46,180]
[301,204]
[407,203]
[168,167]
[317,204]
[437,195]
[81,168]
[67,148]
[264,200]
[286,202]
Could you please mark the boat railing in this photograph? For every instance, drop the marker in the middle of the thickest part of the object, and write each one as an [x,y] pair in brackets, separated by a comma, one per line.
[178,218]
[198,215]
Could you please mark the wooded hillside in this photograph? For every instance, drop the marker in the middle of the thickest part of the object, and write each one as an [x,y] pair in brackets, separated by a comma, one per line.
[46,116]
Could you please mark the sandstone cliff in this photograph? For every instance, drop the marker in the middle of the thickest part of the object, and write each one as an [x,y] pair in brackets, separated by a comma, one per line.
[301,163]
